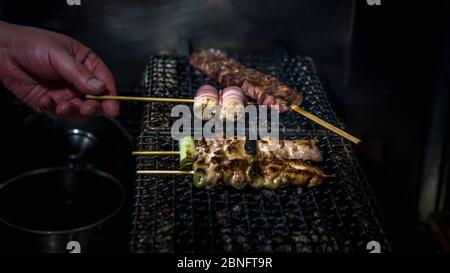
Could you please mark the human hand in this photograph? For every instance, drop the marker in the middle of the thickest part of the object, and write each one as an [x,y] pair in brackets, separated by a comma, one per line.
[52,73]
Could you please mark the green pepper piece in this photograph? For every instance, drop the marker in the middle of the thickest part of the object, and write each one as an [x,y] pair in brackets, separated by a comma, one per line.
[187,152]
[200,179]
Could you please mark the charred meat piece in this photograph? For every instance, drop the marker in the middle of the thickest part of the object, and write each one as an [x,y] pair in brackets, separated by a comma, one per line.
[265,89]
[225,162]
[222,162]
[272,149]
[278,174]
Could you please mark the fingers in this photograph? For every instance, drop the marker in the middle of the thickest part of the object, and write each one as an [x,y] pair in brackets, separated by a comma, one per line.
[47,106]
[82,68]
[72,109]
[65,109]
[111,108]
[76,73]
[90,108]
[101,71]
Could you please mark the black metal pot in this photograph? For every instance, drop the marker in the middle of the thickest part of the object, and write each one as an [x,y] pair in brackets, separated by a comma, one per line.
[60,210]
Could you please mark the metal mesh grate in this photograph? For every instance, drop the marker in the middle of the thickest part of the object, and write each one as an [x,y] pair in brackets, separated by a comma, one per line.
[131,112]
[171,215]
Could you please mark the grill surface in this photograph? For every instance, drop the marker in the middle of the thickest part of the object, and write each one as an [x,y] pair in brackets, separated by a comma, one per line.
[171,215]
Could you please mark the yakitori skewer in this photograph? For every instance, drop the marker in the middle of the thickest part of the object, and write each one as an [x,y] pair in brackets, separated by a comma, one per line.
[152,172]
[325,124]
[138,153]
[227,162]
[295,108]
[164,172]
[147,99]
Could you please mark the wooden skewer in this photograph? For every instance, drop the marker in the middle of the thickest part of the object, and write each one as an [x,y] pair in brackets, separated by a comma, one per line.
[326,125]
[156,153]
[295,108]
[164,172]
[148,99]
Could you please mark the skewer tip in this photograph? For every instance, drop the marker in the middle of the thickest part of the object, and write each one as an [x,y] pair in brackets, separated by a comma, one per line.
[326,125]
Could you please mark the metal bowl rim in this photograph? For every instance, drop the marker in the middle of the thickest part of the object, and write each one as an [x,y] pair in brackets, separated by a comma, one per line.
[96,172]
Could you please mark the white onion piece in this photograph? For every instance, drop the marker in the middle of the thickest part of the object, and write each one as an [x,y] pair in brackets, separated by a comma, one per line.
[205,102]
[232,102]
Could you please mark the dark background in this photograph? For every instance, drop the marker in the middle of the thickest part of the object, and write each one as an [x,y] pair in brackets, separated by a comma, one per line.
[384,69]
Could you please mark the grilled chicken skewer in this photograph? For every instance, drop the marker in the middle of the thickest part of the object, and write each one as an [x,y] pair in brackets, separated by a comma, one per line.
[267,149]
[222,162]
[278,174]
[295,108]
[225,162]
[304,149]
[308,178]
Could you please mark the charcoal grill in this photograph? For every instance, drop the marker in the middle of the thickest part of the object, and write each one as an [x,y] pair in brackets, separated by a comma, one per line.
[171,215]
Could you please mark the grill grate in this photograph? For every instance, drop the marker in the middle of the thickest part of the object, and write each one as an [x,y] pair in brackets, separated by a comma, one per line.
[171,215]
[131,112]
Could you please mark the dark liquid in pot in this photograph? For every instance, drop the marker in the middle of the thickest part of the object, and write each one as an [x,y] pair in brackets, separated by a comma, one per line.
[59,200]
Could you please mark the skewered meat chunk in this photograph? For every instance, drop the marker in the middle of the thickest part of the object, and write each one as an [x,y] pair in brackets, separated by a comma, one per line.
[225,162]
[305,149]
[265,89]
[222,162]
[279,174]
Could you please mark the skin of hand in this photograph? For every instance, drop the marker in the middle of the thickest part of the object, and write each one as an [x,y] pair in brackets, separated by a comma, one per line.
[52,73]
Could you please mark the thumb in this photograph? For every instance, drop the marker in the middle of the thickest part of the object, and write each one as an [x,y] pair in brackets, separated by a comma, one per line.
[75,73]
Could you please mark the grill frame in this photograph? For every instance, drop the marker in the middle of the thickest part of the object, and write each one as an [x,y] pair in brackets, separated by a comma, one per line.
[171,215]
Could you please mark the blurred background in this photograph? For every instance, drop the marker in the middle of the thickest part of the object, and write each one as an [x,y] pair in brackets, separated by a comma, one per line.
[384,68]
